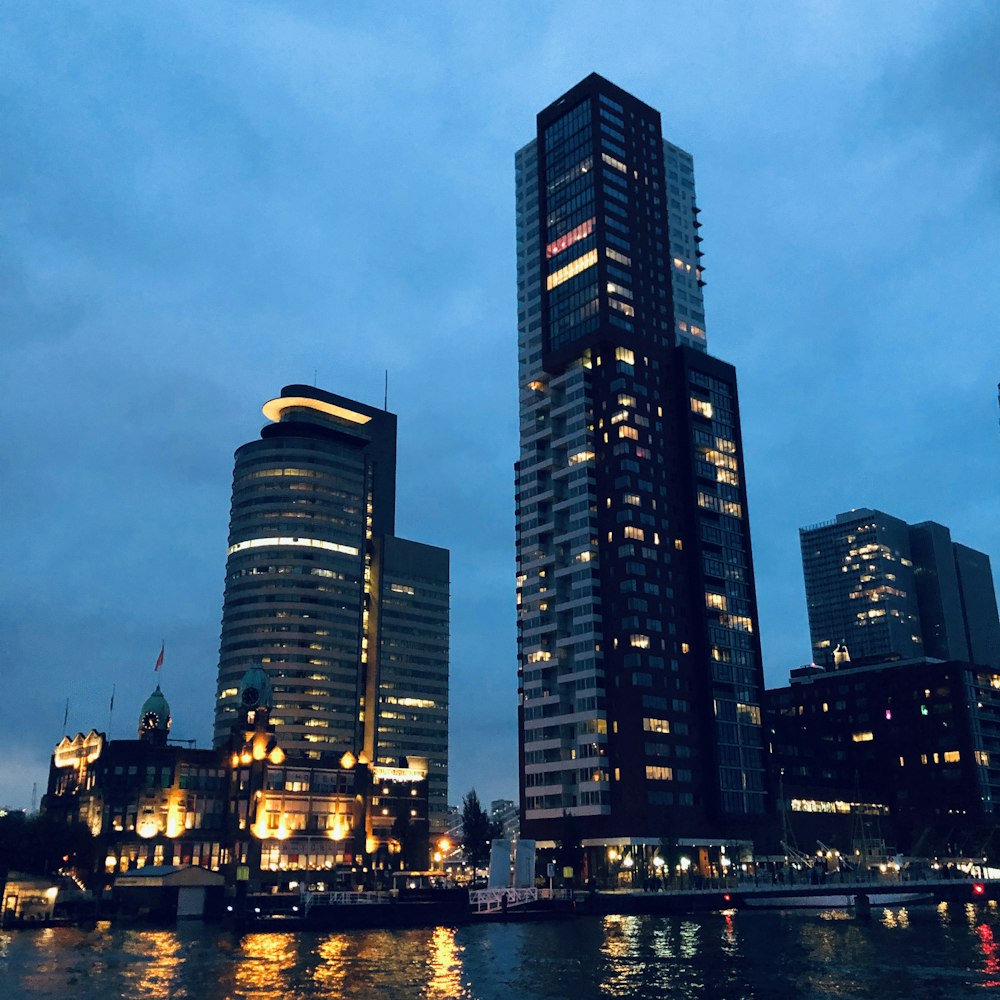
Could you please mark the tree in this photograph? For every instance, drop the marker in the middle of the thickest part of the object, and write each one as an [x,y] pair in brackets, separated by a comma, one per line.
[477,830]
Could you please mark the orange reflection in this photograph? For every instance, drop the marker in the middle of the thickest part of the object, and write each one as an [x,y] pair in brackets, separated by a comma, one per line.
[332,971]
[157,977]
[266,961]
[445,966]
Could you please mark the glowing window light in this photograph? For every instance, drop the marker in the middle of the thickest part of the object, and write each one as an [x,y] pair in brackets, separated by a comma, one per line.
[572,269]
[312,543]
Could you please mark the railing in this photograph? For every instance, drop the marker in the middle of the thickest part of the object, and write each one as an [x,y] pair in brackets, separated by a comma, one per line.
[496,900]
[343,898]
[492,900]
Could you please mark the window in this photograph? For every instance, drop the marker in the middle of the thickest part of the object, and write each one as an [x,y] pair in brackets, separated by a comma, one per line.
[656,725]
[654,772]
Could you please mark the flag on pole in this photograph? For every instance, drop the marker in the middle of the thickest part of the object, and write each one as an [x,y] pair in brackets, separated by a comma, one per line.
[111,707]
[66,715]
[159,659]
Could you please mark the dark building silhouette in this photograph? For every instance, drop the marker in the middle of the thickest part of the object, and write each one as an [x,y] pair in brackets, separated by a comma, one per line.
[885,589]
[899,756]
[350,622]
[639,658]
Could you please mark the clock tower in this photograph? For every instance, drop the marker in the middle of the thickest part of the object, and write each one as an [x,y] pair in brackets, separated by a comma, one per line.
[154,719]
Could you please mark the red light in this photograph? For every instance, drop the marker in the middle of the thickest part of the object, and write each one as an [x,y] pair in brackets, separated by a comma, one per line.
[978,889]
[726,897]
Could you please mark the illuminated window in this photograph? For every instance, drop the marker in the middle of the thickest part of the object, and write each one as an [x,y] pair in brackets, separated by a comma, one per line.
[314,543]
[865,737]
[624,354]
[612,162]
[572,269]
[628,432]
[618,258]
[582,230]
[633,499]
[952,756]
[717,601]
[622,307]
[613,289]
[581,456]
[701,406]
[654,772]
[637,533]
[748,713]
[399,588]
[656,725]
[639,641]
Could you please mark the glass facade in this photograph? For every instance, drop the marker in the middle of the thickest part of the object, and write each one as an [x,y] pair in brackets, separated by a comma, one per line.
[628,722]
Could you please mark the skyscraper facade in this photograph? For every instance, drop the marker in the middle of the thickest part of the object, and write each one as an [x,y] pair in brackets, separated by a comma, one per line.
[321,594]
[878,587]
[639,660]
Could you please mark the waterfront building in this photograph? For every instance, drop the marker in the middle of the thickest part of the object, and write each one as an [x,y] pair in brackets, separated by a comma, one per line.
[349,622]
[899,756]
[146,801]
[879,587]
[640,678]
[247,809]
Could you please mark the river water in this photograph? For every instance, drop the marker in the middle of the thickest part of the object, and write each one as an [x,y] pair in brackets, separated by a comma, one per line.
[944,952]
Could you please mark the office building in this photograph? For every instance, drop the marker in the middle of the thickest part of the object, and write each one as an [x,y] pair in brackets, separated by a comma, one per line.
[879,588]
[898,756]
[350,622]
[639,660]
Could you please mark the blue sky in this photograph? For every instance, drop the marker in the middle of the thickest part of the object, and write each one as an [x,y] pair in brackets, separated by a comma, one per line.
[201,203]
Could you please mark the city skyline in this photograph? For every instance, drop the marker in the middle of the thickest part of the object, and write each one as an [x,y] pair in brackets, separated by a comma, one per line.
[194,223]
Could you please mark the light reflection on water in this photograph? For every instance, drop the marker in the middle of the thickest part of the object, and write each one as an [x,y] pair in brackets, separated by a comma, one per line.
[915,953]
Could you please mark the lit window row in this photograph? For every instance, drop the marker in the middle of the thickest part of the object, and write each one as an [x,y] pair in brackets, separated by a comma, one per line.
[701,406]
[568,239]
[618,258]
[622,307]
[612,162]
[656,725]
[654,772]
[314,543]
[621,290]
[571,270]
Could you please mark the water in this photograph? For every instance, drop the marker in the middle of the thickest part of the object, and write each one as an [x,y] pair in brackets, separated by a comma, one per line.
[944,952]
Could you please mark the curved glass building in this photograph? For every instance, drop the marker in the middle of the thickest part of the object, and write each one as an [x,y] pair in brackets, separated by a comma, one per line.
[310,544]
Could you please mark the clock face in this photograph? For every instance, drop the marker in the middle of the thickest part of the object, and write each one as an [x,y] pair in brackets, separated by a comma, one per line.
[250,696]
[150,720]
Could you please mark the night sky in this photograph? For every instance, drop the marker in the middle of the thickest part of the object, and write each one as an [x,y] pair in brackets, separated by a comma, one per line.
[201,203]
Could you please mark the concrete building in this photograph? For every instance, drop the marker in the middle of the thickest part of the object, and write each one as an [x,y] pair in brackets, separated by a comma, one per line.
[903,756]
[639,660]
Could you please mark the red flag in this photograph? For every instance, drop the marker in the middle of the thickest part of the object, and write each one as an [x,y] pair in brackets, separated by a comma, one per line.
[159,659]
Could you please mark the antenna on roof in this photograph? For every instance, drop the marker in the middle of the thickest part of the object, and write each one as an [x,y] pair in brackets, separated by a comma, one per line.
[385,398]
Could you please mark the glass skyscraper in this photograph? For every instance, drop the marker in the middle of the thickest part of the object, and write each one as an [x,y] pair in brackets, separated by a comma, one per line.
[640,677]
[879,588]
[350,622]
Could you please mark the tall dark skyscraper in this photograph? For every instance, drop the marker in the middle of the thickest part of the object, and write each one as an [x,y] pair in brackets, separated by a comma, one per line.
[884,588]
[639,659]
[350,622]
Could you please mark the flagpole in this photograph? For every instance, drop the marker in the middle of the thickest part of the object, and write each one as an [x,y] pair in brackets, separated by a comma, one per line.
[65,716]
[111,709]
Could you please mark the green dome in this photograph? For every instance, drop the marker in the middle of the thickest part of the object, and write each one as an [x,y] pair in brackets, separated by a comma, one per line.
[255,689]
[155,713]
